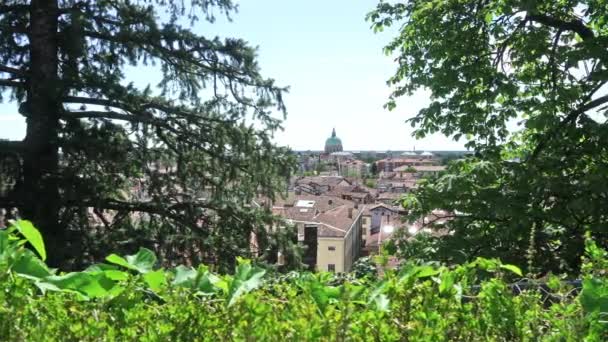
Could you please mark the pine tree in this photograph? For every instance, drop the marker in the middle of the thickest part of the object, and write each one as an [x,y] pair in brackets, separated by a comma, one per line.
[107,164]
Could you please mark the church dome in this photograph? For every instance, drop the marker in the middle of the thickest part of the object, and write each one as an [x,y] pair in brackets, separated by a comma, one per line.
[333,143]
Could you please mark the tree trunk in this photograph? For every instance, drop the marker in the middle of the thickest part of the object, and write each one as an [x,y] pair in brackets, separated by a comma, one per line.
[41,202]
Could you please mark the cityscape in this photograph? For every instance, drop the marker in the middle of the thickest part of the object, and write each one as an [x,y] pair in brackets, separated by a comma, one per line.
[375,170]
[345,204]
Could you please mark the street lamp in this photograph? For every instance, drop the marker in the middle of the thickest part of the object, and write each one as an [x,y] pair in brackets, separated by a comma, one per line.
[412,230]
[388,229]
[383,260]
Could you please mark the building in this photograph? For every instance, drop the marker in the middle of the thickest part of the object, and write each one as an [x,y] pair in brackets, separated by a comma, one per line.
[389,198]
[333,143]
[307,161]
[354,193]
[320,184]
[330,228]
[390,164]
[395,185]
[383,214]
[418,171]
[353,168]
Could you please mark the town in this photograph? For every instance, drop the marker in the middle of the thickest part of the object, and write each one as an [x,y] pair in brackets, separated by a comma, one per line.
[344,204]
[227,170]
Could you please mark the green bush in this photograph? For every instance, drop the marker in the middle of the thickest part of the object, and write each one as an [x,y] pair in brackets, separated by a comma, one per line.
[127,299]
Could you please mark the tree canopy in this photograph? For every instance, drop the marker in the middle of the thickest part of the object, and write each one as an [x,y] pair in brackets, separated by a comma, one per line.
[107,163]
[524,83]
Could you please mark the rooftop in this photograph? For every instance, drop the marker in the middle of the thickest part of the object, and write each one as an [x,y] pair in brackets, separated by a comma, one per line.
[322,180]
[334,216]
[421,168]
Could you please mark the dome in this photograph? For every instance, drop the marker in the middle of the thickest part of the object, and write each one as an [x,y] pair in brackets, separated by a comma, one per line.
[333,143]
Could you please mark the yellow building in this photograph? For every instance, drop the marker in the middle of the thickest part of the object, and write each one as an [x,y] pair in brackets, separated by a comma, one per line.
[330,228]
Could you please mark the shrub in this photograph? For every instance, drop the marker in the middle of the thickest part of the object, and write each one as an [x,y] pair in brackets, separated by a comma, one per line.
[127,298]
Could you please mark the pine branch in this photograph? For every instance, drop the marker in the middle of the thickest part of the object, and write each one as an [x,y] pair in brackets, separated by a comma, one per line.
[193,58]
[10,70]
[97,102]
[93,114]
[10,83]
[9,202]
[146,118]
[10,146]
[146,104]
[153,208]
[4,9]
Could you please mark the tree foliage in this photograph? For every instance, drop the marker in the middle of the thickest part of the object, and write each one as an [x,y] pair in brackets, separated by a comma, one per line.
[524,82]
[107,163]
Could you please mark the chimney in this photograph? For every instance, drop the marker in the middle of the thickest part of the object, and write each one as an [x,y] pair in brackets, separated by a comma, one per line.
[350,213]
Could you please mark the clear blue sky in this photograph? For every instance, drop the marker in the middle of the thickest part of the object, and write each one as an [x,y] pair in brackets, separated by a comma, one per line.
[334,65]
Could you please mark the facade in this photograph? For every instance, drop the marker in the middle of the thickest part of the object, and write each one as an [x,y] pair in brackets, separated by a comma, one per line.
[333,143]
[395,185]
[390,164]
[307,161]
[353,168]
[330,229]
[419,171]
[337,250]
[353,193]
[383,214]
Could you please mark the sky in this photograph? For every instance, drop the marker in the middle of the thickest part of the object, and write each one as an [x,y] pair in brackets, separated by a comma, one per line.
[333,63]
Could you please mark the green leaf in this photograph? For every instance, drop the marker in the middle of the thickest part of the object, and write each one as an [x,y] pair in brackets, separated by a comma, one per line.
[382,302]
[88,284]
[246,278]
[202,281]
[28,265]
[488,17]
[594,297]
[4,243]
[426,271]
[184,276]
[447,282]
[207,282]
[27,229]
[141,262]
[323,295]
[118,260]
[110,271]
[513,269]
[156,280]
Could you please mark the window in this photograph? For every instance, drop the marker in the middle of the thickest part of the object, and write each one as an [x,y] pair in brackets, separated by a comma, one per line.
[331,248]
[331,268]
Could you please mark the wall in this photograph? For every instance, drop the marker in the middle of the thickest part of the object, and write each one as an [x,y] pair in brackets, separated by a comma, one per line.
[366,224]
[347,249]
[380,215]
[325,256]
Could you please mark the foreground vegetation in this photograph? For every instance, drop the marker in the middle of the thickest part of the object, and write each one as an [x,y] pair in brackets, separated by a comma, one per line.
[128,299]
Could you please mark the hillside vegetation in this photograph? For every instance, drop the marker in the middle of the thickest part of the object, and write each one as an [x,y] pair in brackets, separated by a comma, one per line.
[127,298]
